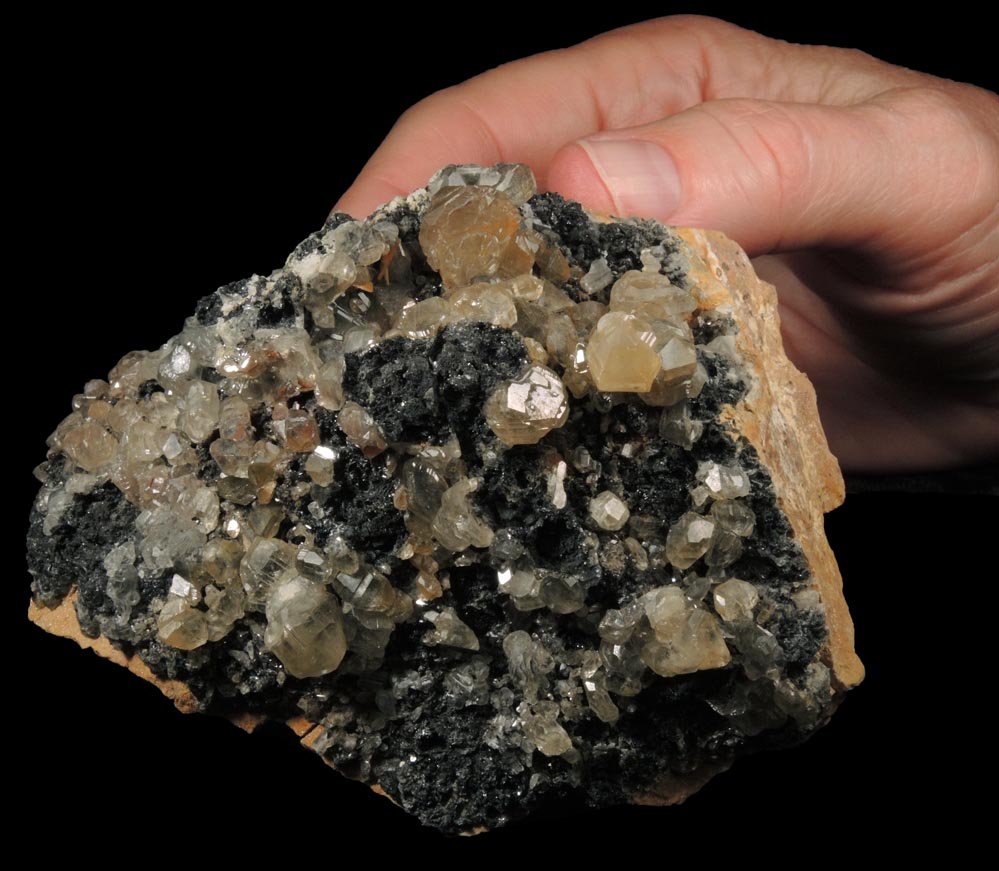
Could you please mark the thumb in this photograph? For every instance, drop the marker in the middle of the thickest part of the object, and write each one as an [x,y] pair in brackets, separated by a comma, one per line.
[773,176]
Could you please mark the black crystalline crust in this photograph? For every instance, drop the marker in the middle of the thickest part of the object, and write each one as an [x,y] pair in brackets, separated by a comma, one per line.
[413,727]
[432,390]
[73,553]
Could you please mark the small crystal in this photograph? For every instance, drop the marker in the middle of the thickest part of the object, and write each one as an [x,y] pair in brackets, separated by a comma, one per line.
[456,525]
[470,233]
[542,727]
[609,511]
[723,481]
[725,549]
[650,295]
[449,630]
[301,434]
[556,485]
[423,319]
[689,539]
[677,426]
[735,516]
[735,600]
[182,626]
[320,465]
[329,384]
[529,661]
[182,588]
[518,582]
[515,179]
[687,638]
[600,701]
[563,594]
[90,446]
[304,627]
[425,488]
[597,277]
[487,303]
[524,411]
[361,429]
[201,410]
[427,588]
[468,684]
[234,420]
[617,626]
[621,354]
[267,560]
[372,598]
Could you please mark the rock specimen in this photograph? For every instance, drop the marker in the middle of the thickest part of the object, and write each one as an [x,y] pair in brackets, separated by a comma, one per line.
[492,501]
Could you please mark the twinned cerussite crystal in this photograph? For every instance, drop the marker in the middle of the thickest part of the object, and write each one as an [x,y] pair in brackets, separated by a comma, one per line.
[497,497]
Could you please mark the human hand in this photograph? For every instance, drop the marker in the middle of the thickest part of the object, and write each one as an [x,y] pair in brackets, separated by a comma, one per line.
[872,190]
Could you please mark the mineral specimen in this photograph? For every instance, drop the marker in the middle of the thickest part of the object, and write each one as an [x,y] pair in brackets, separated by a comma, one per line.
[495,501]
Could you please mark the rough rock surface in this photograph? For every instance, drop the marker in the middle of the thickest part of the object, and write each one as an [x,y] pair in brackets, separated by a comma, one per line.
[496,504]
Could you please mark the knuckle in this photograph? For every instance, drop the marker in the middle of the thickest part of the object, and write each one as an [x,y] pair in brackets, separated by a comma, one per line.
[938,107]
[948,133]
[766,129]
[421,109]
[960,121]
[776,145]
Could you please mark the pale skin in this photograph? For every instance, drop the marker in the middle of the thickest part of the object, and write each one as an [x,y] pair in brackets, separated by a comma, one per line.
[868,193]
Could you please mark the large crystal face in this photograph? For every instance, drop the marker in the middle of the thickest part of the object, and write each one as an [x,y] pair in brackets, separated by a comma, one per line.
[458,486]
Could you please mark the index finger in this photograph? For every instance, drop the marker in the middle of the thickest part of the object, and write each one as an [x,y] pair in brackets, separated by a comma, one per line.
[524,111]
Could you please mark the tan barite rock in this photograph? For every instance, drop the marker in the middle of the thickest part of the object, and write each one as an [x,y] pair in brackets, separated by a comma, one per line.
[779,417]
[252,539]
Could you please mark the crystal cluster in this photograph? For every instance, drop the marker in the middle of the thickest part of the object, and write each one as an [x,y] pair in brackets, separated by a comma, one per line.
[455,485]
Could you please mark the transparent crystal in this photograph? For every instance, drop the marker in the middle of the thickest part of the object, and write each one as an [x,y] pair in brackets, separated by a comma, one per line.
[735,600]
[597,277]
[524,411]
[723,481]
[735,516]
[650,296]
[689,539]
[541,726]
[486,303]
[304,627]
[320,465]
[182,626]
[456,525]
[471,233]
[687,638]
[90,446]
[449,630]
[621,354]
[609,511]
[514,179]
[361,429]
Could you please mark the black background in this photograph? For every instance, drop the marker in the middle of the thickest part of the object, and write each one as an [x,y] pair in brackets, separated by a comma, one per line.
[164,158]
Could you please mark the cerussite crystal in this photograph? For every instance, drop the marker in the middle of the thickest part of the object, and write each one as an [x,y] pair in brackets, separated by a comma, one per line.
[486,490]
[526,409]
[609,511]
[621,353]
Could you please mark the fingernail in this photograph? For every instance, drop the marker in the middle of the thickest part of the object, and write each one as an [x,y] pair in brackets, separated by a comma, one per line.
[641,177]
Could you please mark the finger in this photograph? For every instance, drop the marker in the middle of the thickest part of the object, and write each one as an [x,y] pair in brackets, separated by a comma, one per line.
[882,176]
[526,110]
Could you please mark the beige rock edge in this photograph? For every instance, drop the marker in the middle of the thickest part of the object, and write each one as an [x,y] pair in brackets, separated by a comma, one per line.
[778,416]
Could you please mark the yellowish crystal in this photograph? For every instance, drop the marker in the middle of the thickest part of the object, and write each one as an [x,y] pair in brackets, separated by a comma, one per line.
[735,600]
[524,411]
[621,354]
[305,627]
[609,511]
[650,295]
[470,233]
[687,637]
